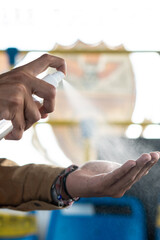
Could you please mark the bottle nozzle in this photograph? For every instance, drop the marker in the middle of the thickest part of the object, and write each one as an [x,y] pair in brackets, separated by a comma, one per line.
[54,78]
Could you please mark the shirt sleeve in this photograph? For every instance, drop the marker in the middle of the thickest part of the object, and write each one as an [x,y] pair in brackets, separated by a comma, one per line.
[27,187]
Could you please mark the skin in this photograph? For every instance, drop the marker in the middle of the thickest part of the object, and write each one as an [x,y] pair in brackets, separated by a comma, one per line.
[16,89]
[108,179]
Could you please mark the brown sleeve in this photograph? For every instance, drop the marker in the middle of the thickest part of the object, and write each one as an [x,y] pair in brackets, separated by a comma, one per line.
[27,187]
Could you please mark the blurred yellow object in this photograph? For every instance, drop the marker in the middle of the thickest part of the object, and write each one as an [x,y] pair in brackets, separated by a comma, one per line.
[158,217]
[16,226]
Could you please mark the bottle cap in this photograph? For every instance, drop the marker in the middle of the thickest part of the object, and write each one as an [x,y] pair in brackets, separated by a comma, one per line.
[54,78]
[59,76]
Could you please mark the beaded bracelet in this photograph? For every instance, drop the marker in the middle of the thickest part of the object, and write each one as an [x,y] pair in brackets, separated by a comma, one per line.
[56,188]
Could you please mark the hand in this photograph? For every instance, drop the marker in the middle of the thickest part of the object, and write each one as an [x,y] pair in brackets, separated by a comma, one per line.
[91,180]
[16,89]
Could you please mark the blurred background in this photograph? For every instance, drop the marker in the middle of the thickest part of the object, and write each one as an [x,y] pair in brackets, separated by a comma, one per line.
[110,109]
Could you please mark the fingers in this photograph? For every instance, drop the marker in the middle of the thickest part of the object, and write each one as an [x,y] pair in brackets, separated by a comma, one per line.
[12,107]
[128,179]
[154,159]
[48,93]
[143,165]
[31,112]
[41,64]
[43,90]
[37,86]
[39,106]
[18,123]
[117,182]
[119,173]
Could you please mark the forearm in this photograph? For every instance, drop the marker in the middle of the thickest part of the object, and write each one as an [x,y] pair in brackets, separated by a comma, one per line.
[27,187]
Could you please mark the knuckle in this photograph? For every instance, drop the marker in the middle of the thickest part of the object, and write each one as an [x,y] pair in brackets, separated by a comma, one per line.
[145,155]
[131,161]
[18,132]
[19,74]
[35,117]
[17,101]
[46,56]
[20,129]
[5,115]
[63,61]
[18,137]
[130,164]
[49,108]
[20,88]
[52,92]
[50,58]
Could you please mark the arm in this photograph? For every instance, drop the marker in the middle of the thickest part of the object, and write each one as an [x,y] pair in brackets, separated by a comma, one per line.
[27,187]
[16,89]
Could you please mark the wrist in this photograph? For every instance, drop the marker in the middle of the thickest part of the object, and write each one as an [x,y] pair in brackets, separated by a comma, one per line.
[72,184]
[59,192]
[65,193]
[80,184]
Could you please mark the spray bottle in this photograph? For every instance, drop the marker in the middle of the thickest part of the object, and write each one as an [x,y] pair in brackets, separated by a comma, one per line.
[53,79]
